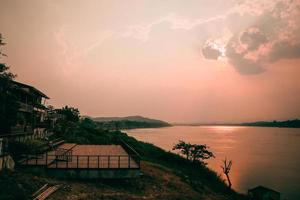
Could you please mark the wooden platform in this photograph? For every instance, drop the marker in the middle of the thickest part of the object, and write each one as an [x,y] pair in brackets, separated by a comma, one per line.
[85,157]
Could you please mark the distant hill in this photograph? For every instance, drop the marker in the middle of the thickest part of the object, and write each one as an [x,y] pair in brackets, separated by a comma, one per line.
[288,124]
[129,122]
[128,118]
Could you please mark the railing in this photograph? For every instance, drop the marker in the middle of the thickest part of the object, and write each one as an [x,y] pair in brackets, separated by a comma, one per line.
[63,159]
[135,155]
[20,137]
[63,154]
[21,129]
[52,161]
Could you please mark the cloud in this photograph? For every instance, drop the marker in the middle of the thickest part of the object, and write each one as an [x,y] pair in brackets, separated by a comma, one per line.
[253,38]
[213,50]
[211,53]
[284,50]
[263,32]
[141,31]
[237,56]
[245,51]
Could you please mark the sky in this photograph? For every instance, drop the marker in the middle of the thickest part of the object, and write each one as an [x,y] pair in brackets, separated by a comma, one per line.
[208,61]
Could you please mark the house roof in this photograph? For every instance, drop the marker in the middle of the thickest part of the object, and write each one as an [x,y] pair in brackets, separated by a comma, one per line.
[262,189]
[32,89]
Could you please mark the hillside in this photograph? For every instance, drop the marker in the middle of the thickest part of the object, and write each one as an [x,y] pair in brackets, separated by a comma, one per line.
[128,118]
[129,122]
[156,183]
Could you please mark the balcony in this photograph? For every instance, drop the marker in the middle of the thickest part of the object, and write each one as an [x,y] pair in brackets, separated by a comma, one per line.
[25,107]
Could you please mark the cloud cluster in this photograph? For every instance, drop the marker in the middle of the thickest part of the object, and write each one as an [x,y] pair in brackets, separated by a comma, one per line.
[272,35]
[210,52]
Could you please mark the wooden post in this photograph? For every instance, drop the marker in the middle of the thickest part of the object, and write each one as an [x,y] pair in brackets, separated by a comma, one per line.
[77,161]
[98,161]
[88,161]
[108,161]
[119,162]
[128,161]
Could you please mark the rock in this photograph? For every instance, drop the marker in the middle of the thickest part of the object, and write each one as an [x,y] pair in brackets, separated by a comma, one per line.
[9,163]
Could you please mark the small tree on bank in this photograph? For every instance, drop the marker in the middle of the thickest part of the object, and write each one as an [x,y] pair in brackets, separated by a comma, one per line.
[194,152]
[226,167]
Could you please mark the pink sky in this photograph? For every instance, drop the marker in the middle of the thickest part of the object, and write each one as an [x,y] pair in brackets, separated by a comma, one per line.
[201,61]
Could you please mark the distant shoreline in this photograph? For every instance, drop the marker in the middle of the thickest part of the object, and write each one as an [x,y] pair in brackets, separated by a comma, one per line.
[276,124]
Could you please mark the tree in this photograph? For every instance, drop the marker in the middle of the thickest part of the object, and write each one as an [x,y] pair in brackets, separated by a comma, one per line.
[193,152]
[8,100]
[226,169]
[71,114]
[184,148]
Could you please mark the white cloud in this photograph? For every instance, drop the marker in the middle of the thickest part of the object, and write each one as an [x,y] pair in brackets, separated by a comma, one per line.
[141,31]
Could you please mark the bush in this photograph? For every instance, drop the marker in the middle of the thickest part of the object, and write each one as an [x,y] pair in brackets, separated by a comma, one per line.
[27,147]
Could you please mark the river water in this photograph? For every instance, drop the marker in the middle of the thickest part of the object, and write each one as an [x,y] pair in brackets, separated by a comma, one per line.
[260,155]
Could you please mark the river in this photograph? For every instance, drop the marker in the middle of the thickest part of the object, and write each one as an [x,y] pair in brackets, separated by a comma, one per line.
[260,155]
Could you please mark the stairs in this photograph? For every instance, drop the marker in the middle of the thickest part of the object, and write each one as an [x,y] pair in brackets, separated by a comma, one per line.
[45,191]
[56,142]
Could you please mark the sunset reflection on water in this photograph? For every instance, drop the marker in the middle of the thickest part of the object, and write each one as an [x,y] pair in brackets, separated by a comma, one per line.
[261,156]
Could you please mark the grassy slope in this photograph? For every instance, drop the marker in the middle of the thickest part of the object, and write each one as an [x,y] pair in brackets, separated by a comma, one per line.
[157,182]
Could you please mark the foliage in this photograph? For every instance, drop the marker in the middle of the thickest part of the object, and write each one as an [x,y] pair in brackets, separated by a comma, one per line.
[19,185]
[71,114]
[10,188]
[16,149]
[8,101]
[194,152]
[289,123]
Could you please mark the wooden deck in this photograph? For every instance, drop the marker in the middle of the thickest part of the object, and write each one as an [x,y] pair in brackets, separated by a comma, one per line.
[72,156]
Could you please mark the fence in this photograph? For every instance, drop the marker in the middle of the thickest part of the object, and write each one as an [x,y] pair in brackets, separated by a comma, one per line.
[83,161]
[135,155]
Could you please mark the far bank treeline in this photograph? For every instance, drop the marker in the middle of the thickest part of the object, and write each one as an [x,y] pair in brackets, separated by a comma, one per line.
[281,124]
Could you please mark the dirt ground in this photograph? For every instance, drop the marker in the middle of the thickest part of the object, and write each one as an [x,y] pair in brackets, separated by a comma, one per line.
[155,183]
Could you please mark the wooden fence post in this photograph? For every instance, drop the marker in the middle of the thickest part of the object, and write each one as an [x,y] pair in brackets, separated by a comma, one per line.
[108,161]
[88,161]
[77,161]
[128,161]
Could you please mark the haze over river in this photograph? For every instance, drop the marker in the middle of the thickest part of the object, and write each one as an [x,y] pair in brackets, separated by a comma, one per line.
[260,155]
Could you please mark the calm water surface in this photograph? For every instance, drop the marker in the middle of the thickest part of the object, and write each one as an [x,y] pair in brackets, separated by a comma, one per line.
[261,156]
